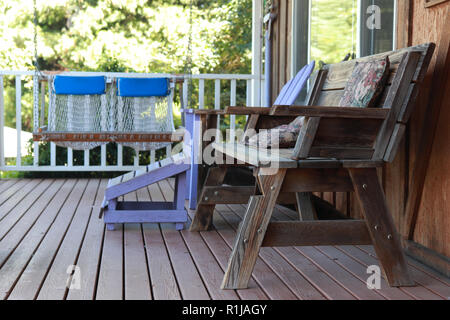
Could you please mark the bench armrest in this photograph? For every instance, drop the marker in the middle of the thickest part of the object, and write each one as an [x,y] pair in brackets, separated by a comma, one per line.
[330,112]
[232,111]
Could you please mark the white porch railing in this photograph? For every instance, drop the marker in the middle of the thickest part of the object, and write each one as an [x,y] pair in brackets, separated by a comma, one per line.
[38,119]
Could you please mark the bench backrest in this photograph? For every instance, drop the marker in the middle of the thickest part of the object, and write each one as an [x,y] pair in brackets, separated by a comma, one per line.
[366,139]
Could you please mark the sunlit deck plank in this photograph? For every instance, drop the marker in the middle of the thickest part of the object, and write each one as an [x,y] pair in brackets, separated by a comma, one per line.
[51,224]
[293,279]
[55,284]
[7,184]
[35,272]
[12,269]
[12,197]
[189,281]
[263,275]
[19,211]
[136,277]
[90,252]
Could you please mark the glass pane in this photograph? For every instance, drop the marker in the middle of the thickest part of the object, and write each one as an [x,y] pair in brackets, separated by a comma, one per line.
[377,26]
[333,29]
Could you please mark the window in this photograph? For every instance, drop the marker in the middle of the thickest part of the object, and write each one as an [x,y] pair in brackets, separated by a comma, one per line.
[329,30]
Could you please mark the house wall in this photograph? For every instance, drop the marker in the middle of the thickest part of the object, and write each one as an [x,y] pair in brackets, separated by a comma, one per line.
[433,221]
[417,25]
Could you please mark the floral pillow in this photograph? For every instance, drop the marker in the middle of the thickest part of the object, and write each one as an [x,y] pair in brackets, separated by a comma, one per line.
[366,84]
[286,135]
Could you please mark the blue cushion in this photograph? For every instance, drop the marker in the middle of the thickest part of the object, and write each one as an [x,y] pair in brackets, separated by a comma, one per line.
[69,85]
[143,87]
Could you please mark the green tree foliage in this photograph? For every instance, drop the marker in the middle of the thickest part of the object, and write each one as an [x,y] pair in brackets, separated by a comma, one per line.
[122,36]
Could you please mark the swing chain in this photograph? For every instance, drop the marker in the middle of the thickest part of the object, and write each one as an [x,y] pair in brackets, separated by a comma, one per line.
[35,40]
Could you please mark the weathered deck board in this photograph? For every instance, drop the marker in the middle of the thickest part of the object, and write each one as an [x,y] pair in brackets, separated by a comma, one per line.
[342,276]
[55,285]
[136,277]
[360,271]
[34,274]
[52,224]
[434,291]
[90,253]
[210,270]
[8,222]
[11,197]
[293,279]
[7,184]
[12,269]
[164,282]
[269,282]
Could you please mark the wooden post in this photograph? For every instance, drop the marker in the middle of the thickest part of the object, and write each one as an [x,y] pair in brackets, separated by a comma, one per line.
[380,224]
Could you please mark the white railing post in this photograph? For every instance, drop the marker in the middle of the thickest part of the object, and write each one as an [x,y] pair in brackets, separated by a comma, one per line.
[19,120]
[2,124]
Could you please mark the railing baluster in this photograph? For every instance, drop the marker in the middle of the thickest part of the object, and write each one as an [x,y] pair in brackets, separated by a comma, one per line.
[52,154]
[233,103]
[136,159]
[19,120]
[2,124]
[70,157]
[86,158]
[119,155]
[185,93]
[152,156]
[201,94]
[103,155]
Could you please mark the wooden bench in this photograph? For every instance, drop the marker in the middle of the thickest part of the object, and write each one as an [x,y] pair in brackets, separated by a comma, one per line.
[338,150]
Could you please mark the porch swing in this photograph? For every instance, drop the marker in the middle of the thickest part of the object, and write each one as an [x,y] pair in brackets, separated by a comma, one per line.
[85,112]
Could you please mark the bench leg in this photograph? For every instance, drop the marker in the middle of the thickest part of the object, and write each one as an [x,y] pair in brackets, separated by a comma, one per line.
[305,207]
[112,205]
[179,196]
[385,237]
[203,215]
[252,231]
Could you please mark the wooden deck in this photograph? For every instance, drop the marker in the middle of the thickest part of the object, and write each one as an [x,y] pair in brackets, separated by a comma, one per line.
[48,225]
